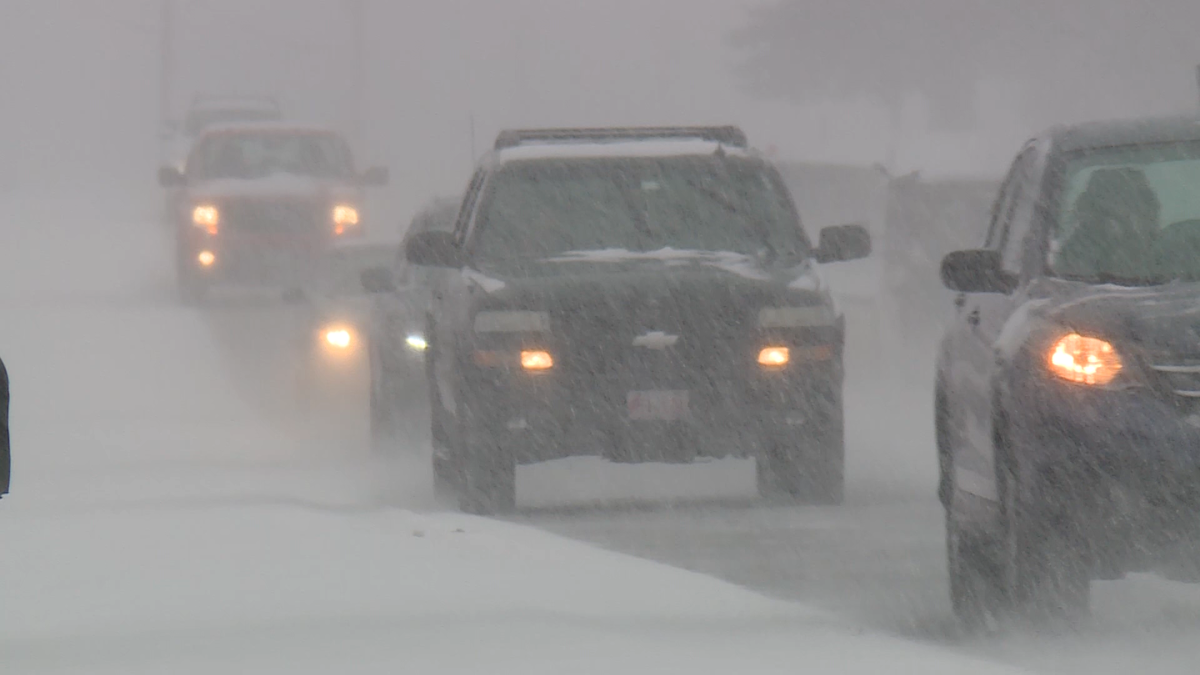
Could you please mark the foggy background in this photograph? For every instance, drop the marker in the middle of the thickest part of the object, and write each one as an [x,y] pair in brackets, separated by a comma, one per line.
[945,86]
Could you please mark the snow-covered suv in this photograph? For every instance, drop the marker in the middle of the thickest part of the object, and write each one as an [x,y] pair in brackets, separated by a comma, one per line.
[642,294]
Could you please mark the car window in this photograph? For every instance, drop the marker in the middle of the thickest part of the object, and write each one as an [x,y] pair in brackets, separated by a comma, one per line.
[1129,214]
[545,208]
[254,154]
[1019,212]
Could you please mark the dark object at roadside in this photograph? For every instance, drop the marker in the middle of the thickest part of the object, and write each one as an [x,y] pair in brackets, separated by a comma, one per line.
[5,449]
[1068,385]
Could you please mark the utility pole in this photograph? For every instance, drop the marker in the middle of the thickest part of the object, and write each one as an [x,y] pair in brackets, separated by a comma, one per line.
[358,72]
[166,56]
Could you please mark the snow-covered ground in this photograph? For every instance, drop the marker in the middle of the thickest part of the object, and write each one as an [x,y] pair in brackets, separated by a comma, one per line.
[160,521]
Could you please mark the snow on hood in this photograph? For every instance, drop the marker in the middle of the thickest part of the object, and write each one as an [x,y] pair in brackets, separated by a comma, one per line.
[488,284]
[735,263]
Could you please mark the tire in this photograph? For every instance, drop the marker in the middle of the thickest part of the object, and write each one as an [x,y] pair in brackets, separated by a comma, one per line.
[975,595]
[793,470]
[487,471]
[1041,573]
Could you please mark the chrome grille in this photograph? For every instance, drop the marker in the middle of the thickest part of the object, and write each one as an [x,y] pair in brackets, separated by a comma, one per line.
[276,216]
[1182,376]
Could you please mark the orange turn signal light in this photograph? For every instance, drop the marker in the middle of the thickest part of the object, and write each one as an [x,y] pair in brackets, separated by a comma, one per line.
[774,357]
[1084,360]
[536,359]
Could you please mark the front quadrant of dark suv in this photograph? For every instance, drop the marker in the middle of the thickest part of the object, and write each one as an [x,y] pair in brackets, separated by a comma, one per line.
[645,296]
[1068,403]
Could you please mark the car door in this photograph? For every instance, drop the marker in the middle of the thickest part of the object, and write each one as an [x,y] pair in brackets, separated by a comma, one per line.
[448,298]
[980,321]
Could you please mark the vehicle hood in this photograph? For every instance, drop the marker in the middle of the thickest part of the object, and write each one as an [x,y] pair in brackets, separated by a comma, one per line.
[277,186]
[730,281]
[1163,318]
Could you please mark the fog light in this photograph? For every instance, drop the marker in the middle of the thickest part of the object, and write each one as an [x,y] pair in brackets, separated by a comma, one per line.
[206,258]
[536,360]
[774,357]
[339,338]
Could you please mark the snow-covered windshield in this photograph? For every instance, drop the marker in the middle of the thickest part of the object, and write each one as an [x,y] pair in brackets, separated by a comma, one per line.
[540,209]
[1130,214]
[258,154]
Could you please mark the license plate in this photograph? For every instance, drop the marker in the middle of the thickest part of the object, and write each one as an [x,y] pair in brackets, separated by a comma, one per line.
[657,405]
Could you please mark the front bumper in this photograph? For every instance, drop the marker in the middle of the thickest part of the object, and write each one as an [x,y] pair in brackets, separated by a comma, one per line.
[1120,469]
[542,416]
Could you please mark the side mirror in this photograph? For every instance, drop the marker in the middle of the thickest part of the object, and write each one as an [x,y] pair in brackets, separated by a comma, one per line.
[843,242]
[976,271]
[376,176]
[171,177]
[433,249]
[377,280]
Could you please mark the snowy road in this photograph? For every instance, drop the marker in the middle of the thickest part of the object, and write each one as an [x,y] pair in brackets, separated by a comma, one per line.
[174,440]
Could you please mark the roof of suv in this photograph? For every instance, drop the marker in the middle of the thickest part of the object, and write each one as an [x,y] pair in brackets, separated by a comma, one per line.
[527,144]
[1126,132]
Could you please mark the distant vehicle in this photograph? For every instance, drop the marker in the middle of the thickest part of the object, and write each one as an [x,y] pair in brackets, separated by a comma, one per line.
[261,204]
[206,112]
[403,296]
[1068,426]
[641,294]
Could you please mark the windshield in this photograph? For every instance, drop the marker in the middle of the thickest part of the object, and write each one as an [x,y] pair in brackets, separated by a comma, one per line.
[250,155]
[1130,215]
[542,209]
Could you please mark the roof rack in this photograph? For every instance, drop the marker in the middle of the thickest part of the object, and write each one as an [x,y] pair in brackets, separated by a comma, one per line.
[726,135]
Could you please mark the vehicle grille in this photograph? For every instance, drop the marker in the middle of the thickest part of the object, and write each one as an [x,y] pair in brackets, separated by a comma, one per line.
[1180,376]
[299,217]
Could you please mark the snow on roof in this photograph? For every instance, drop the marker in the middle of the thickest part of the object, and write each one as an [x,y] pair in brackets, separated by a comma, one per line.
[625,148]
[273,126]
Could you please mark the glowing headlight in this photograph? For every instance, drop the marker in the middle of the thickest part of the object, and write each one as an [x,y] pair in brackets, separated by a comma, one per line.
[536,359]
[206,258]
[1084,360]
[774,357]
[416,343]
[344,218]
[339,337]
[206,216]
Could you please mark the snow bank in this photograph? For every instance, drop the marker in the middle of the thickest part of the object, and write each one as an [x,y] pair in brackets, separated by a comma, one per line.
[301,589]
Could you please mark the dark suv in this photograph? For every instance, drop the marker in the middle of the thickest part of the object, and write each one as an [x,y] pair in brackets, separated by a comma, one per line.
[640,294]
[1068,389]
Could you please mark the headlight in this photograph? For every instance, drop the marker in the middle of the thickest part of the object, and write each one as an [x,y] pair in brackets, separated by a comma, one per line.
[345,217]
[416,342]
[206,216]
[206,258]
[774,357]
[1084,360]
[338,337]
[536,359]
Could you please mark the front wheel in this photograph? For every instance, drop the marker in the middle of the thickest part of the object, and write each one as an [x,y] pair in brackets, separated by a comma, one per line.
[1041,572]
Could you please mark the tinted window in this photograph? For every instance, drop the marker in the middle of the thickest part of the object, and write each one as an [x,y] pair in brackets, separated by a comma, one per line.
[1129,214]
[249,155]
[541,209]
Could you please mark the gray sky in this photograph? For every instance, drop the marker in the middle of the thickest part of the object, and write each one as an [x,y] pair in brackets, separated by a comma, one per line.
[80,81]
